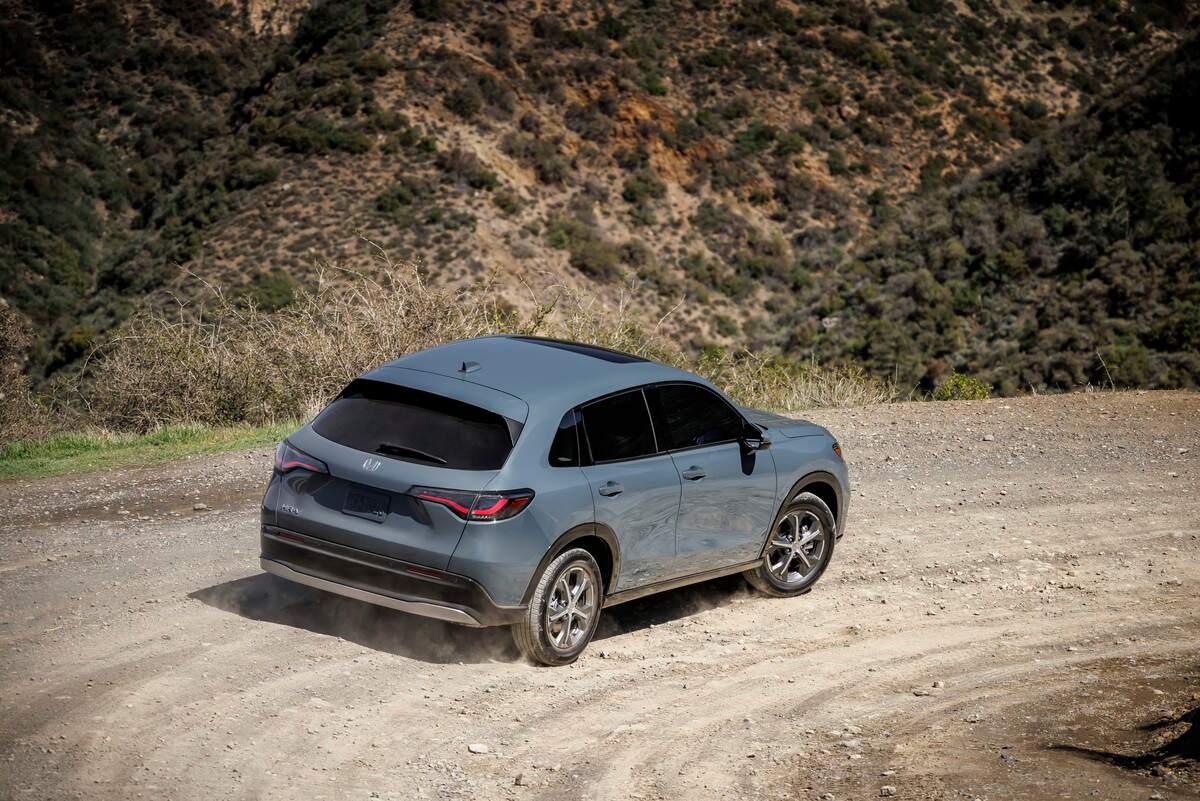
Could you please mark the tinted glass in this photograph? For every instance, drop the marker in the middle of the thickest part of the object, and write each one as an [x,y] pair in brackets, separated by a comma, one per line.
[693,415]
[596,352]
[415,426]
[564,452]
[619,428]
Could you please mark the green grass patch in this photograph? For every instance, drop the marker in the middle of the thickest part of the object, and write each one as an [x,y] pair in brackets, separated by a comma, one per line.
[88,451]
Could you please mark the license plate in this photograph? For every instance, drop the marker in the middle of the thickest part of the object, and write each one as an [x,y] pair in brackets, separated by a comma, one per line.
[367,505]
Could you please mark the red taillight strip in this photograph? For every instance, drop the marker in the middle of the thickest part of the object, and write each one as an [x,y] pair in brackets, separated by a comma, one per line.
[491,510]
[501,505]
[518,503]
[286,466]
[289,457]
[455,505]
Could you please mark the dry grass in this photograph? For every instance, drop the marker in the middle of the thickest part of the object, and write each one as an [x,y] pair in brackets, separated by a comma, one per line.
[768,381]
[228,364]
[21,417]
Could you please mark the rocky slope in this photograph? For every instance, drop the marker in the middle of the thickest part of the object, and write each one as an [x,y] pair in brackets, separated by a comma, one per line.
[729,154]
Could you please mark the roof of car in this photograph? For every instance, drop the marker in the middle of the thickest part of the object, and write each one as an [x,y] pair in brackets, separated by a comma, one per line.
[540,371]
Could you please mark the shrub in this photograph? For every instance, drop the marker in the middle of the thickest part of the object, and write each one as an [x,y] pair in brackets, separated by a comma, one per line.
[467,168]
[962,387]
[754,138]
[397,202]
[791,143]
[434,10]
[612,28]
[270,290]
[550,166]
[508,201]
[642,186]
[373,64]
[590,254]
[726,326]
[654,84]
[249,173]
[837,163]
[450,219]
[228,364]
[465,101]
[314,134]
[590,122]
[768,381]
[21,416]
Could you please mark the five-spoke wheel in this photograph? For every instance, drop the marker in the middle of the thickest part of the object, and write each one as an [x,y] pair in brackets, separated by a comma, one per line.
[799,549]
[563,611]
[571,607]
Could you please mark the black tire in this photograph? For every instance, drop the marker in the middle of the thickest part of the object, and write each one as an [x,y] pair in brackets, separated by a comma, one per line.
[543,641]
[804,507]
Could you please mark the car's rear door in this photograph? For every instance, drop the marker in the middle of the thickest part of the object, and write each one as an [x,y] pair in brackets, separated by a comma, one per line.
[728,494]
[635,489]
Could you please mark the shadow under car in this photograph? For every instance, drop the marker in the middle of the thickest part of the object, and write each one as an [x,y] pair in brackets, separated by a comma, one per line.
[271,599]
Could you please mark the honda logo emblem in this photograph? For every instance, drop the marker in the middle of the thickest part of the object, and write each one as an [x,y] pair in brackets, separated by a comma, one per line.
[371,464]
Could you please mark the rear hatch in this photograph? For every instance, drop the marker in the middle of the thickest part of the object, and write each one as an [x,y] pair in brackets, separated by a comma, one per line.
[381,440]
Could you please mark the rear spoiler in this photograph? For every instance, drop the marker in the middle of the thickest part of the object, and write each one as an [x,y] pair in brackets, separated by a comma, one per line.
[459,389]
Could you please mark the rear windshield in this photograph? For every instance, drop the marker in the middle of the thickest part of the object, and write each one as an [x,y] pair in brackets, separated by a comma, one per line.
[415,426]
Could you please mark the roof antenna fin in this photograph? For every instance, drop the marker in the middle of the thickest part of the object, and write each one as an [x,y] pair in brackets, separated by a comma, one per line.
[469,367]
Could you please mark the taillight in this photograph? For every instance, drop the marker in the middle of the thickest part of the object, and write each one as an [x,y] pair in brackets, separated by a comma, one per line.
[289,458]
[837,448]
[479,506]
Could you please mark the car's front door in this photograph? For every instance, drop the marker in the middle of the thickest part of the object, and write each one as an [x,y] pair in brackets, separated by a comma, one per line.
[635,488]
[728,493]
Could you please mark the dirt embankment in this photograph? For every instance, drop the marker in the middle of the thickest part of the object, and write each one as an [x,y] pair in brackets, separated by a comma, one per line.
[1013,614]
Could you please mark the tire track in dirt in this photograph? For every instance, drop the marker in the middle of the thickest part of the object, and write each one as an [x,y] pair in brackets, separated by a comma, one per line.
[158,660]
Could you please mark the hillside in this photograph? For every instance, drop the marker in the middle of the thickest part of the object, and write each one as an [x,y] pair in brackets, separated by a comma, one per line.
[1075,261]
[730,154]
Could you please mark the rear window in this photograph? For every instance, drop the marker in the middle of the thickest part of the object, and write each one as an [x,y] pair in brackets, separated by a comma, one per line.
[415,426]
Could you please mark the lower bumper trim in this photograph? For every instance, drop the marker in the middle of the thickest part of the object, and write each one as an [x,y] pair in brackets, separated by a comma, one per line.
[423,608]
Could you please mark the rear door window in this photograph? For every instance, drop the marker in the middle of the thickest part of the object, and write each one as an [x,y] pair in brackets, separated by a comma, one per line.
[691,415]
[619,428]
[415,426]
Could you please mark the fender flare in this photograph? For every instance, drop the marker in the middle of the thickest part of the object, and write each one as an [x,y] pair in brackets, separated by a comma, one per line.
[598,530]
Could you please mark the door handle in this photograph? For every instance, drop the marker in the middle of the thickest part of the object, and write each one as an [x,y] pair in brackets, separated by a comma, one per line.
[694,473]
[610,488]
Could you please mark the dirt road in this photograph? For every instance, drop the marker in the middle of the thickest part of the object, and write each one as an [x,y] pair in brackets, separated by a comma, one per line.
[1018,585]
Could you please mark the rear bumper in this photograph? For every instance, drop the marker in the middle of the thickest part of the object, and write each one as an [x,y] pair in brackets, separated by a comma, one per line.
[381,580]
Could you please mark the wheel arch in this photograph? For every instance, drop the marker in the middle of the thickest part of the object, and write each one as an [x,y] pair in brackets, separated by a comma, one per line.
[824,485]
[598,540]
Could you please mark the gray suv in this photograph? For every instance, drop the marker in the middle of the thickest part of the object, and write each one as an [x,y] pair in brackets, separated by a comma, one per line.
[530,482]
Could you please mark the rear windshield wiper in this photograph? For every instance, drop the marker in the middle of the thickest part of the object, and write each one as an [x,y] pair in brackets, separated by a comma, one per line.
[387,449]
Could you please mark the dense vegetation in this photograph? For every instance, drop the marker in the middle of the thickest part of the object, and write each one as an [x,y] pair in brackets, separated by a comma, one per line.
[107,109]
[806,176]
[1076,261]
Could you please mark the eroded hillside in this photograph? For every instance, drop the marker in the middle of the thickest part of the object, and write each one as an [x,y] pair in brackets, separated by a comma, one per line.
[729,154]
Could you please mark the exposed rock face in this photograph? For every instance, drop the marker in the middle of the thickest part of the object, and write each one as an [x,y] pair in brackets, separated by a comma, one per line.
[267,17]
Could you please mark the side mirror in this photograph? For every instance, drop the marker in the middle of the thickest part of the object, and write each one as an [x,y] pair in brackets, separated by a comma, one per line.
[754,439]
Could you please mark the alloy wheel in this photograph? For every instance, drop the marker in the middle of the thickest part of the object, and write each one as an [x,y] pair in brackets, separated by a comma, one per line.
[797,547]
[571,607]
